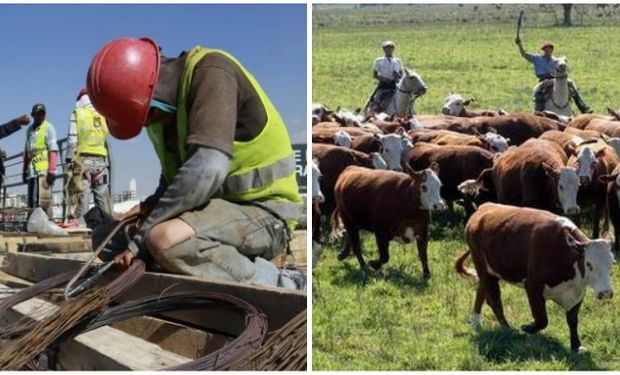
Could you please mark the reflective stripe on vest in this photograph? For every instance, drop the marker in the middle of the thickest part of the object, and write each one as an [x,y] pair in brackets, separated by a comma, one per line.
[92,131]
[38,153]
[262,169]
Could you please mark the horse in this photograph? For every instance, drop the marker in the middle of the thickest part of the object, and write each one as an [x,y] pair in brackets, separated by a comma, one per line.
[559,100]
[410,86]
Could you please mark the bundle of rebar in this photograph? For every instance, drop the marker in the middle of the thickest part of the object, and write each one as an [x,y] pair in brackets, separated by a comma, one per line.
[285,350]
[46,331]
[231,354]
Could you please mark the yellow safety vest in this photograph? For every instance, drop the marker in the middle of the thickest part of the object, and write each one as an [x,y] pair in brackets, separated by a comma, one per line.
[262,169]
[38,153]
[92,131]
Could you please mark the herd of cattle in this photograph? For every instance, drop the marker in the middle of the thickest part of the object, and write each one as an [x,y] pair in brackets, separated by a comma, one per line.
[525,181]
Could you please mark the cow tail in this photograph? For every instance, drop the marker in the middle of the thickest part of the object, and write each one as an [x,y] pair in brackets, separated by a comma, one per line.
[460,267]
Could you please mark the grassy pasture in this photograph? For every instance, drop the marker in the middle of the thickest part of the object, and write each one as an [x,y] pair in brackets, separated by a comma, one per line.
[397,321]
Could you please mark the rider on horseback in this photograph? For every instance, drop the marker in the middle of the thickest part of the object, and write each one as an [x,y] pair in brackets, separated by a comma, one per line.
[387,70]
[545,69]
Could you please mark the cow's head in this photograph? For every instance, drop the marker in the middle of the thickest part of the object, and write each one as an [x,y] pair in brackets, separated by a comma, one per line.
[567,186]
[317,195]
[585,164]
[392,150]
[377,161]
[321,112]
[454,105]
[597,261]
[342,138]
[428,187]
[496,143]
[348,118]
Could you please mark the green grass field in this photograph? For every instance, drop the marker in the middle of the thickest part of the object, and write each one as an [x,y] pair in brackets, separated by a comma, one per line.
[397,321]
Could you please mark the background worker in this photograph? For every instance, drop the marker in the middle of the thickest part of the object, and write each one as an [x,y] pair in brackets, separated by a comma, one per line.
[545,69]
[40,155]
[6,130]
[228,192]
[87,156]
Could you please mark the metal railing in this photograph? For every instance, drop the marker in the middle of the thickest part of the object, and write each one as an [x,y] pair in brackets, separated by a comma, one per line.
[13,166]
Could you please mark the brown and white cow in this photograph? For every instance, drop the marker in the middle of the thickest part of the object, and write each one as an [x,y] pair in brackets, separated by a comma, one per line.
[545,254]
[490,141]
[332,160]
[456,105]
[567,141]
[532,175]
[613,199]
[593,159]
[456,164]
[367,143]
[516,127]
[607,127]
[392,205]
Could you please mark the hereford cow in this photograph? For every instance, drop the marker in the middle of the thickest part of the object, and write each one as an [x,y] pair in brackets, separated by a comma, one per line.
[613,199]
[332,160]
[567,141]
[321,113]
[532,175]
[609,128]
[456,105]
[585,134]
[516,127]
[593,159]
[543,253]
[367,143]
[456,164]
[489,141]
[583,120]
[392,205]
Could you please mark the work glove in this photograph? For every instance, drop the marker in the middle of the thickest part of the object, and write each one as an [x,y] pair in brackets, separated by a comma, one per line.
[50,178]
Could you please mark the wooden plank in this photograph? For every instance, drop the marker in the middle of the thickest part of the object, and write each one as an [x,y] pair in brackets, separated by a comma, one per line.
[188,342]
[105,348]
[72,246]
[280,305]
[299,250]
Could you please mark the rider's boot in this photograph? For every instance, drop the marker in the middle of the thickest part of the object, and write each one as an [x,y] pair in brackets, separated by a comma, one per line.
[539,101]
[583,107]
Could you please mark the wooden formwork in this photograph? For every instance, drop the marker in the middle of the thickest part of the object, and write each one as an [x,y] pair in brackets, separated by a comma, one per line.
[145,343]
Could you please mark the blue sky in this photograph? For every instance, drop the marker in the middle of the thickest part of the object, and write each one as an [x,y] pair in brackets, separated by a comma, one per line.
[46,51]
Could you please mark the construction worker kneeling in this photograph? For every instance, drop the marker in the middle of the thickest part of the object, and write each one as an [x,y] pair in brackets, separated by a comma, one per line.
[228,198]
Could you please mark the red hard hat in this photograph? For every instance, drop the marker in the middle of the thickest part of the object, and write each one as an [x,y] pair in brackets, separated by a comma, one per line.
[82,92]
[547,44]
[121,82]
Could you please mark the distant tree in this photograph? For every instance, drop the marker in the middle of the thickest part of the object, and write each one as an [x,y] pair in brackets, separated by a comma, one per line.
[568,9]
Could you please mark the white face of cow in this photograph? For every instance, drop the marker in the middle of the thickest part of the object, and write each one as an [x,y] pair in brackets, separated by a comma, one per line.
[377,161]
[568,186]
[497,143]
[317,195]
[430,197]
[586,164]
[392,151]
[318,110]
[407,146]
[453,105]
[342,138]
[598,261]
[350,118]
